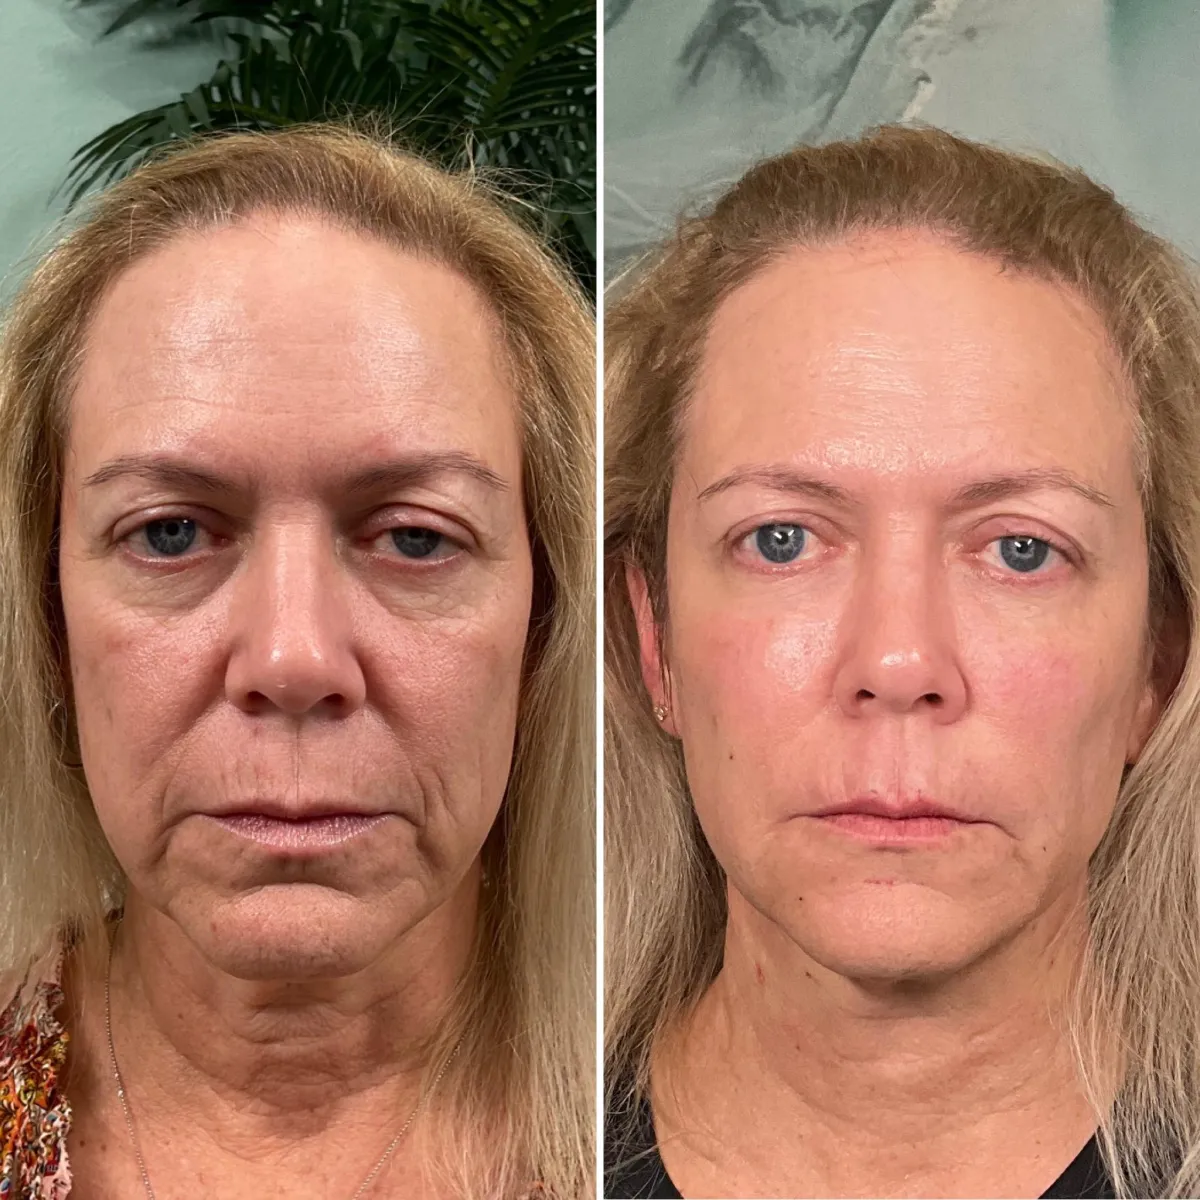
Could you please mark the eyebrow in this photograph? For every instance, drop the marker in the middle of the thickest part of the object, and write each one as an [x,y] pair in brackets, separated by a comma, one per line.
[971,495]
[410,471]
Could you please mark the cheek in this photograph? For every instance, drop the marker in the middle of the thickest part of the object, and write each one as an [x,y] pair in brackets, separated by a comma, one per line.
[796,657]
[454,687]
[137,682]
[1060,683]
[750,690]
[1047,716]
[1028,685]
[742,672]
[156,727]
[1053,715]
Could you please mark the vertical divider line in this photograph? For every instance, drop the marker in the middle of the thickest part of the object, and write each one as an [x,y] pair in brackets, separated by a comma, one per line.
[599,858]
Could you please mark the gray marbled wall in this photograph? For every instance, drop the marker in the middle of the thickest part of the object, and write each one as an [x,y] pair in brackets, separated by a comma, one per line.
[697,89]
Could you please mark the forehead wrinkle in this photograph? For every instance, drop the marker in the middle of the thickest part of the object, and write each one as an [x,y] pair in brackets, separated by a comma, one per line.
[204,320]
[214,309]
[879,357]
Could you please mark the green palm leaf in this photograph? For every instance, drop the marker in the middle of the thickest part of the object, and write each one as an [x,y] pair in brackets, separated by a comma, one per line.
[508,84]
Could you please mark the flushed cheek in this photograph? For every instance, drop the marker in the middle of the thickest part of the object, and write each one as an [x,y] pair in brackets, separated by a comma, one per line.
[1030,657]
[740,674]
[1064,702]
[797,656]
[748,689]
[1057,737]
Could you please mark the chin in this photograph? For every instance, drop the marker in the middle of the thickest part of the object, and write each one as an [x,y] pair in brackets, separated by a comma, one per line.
[891,933]
[298,931]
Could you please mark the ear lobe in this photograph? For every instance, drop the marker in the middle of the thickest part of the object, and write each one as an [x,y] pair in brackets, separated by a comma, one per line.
[1144,720]
[1169,659]
[655,675]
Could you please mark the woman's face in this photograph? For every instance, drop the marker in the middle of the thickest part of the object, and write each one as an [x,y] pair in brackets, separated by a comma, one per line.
[297,581]
[907,583]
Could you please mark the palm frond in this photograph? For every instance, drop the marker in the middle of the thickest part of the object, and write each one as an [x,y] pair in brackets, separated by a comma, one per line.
[508,84]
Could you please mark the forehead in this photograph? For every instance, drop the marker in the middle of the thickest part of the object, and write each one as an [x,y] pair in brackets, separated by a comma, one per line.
[287,327]
[898,353]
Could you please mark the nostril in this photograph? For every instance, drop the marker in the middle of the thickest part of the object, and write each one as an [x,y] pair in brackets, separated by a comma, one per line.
[334,702]
[863,694]
[933,699]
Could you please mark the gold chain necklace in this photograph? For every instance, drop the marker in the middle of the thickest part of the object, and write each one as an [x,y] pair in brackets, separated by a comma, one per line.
[133,1137]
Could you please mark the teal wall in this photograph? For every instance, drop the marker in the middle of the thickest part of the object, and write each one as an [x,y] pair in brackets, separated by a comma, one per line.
[60,85]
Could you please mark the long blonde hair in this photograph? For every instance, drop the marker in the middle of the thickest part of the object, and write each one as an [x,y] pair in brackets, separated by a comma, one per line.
[665,901]
[521,1087]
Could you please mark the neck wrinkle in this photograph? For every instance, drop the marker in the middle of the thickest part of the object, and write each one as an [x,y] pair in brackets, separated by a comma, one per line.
[283,1052]
[869,1069]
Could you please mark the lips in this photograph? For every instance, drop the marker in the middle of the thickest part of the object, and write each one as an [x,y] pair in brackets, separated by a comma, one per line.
[898,808]
[292,827]
[301,810]
[896,820]
[306,834]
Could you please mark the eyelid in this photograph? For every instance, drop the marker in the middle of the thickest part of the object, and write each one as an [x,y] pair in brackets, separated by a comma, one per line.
[139,521]
[1019,526]
[1055,548]
[446,552]
[820,527]
[738,543]
[399,516]
[145,555]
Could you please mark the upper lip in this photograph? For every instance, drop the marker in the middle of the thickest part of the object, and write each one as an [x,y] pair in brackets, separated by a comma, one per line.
[280,810]
[896,807]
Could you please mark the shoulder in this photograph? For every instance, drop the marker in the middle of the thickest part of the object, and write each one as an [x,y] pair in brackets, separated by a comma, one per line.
[34,1114]
[633,1168]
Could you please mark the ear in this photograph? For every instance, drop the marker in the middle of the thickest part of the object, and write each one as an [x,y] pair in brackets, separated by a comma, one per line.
[655,673]
[1169,658]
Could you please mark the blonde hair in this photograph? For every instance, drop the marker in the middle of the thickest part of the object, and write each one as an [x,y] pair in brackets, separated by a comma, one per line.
[665,902]
[520,1090]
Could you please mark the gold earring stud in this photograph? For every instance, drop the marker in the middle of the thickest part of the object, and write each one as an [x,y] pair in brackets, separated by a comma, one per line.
[660,713]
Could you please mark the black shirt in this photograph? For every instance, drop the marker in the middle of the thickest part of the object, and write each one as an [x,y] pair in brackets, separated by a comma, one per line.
[633,1168]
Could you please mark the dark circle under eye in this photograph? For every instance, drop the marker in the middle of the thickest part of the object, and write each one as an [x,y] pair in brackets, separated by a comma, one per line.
[414,542]
[780,543]
[170,537]
[1024,553]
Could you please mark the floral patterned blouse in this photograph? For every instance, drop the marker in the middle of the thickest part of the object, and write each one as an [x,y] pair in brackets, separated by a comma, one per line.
[35,1115]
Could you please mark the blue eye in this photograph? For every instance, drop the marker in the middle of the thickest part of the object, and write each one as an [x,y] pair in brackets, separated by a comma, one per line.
[414,542]
[1024,554]
[780,543]
[170,536]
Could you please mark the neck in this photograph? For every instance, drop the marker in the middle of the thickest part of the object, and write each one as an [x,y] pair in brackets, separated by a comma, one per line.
[282,1043]
[888,1069]
[257,1066]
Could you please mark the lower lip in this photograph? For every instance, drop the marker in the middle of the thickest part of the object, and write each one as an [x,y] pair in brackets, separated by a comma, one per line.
[869,827]
[317,833]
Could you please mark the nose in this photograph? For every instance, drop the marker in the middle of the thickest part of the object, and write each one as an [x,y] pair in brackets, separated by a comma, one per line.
[293,646]
[899,652]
